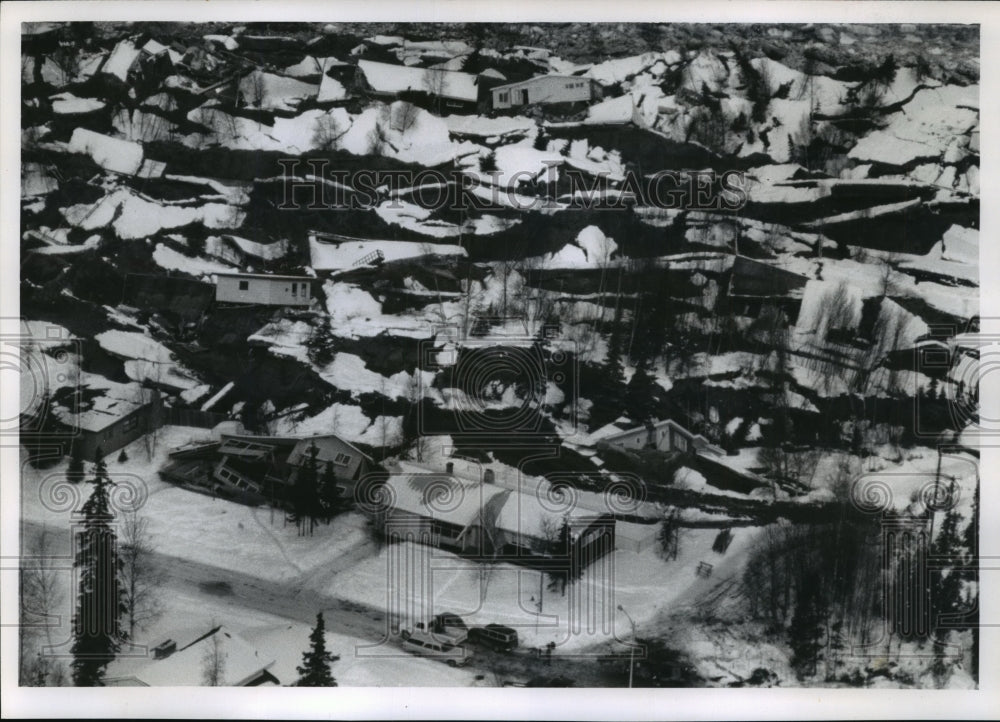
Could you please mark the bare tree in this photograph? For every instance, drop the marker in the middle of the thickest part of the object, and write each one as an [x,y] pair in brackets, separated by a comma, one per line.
[435,82]
[327,132]
[41,596]
[403,116]
[887,273]
[213,662]
[140,576]
[252,89]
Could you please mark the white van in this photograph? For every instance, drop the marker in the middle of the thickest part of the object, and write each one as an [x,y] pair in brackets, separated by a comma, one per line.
[429,645]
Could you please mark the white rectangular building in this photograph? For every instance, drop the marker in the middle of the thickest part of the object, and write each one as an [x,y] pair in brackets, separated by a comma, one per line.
[263,288]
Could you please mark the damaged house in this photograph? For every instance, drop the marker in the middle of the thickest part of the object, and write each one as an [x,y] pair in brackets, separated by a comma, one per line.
[258,469]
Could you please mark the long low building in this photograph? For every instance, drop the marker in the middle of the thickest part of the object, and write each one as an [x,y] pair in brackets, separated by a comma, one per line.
[481,518]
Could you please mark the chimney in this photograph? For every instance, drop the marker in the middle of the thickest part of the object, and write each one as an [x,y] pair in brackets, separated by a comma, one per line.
[488,477]
[450,467]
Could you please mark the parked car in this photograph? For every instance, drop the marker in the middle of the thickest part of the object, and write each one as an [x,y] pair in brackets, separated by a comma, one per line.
[494,636]
[429,645]
[447,626]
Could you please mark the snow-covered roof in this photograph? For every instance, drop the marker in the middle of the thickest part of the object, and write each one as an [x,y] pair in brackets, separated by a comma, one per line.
[186,667]
[101,411]
[395,79]
[441,496]
[463,501]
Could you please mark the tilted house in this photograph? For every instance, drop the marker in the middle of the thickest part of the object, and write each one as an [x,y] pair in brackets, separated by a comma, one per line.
[545,90]
[257,469]
[263,289]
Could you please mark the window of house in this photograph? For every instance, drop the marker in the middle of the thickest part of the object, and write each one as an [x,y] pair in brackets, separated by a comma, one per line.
[295,290]
[305,289]
[244,285]
[343,459]
[130,424]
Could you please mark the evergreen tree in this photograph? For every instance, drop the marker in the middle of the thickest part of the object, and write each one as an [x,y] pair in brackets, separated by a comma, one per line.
[305,492]
[613,366]
[946,587]
[74,470]
[97,627]
[315,669]
[642,395]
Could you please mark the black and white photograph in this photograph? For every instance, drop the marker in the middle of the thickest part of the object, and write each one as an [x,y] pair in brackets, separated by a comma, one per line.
[355,351]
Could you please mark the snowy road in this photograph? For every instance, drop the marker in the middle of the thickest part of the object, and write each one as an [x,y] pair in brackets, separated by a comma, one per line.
[298,600]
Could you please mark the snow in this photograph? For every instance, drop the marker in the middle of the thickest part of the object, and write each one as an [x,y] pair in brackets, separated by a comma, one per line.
[347,421]
[613,111]
[520,163]
[216,397]
[142,127]
[114,154]
[411,135]
[354,313]
[263,251]
[121,60]
[416,218]
[337,256]
[330,90]
[131,345]
[619,69]
[960,245]
[591,249]
[395,79]
[310,67]
[69,104]
[227,41]
[929,126]
[268,91]
[133,216]
[36,180]
[167,257]
[486,127]
[161,374]
[116,401]
[815,302]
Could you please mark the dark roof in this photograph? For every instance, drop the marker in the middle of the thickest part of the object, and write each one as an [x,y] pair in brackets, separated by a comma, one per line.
[271,276]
